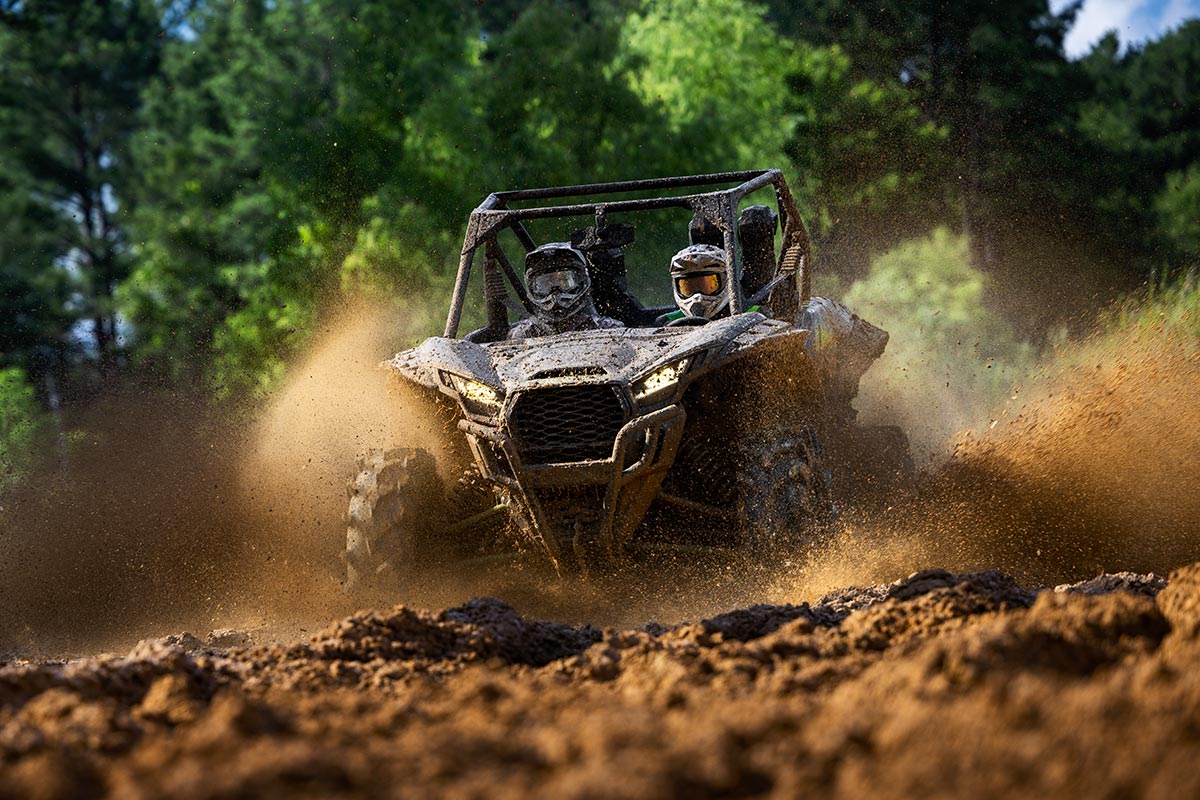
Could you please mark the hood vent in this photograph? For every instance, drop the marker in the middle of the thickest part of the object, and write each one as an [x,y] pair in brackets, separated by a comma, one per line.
[571,372]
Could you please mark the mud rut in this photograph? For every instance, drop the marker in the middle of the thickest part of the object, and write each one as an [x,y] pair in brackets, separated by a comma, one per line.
[941,683]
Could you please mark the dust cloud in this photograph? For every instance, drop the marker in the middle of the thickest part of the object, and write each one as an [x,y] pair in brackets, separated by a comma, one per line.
[1092,466]
[175,518]
[142,526]
[172,515]
[335,406]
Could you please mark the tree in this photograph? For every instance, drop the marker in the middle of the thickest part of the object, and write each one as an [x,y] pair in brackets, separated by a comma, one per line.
[1143,120]
[70,89]
[216,206]
[598,90]
[33,292]
[868,164]
[716,73]
[1032,186]
[270,130]
[1178,210]
[544,102]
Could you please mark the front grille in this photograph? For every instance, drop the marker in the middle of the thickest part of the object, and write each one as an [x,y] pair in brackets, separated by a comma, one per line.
[562,424]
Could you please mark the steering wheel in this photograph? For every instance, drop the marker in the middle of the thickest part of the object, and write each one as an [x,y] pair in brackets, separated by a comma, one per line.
[687,322]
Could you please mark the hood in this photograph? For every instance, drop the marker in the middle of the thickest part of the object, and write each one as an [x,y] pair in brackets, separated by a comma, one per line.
[619,354]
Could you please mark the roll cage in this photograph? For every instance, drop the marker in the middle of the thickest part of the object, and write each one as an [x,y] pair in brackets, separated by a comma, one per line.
[716,207]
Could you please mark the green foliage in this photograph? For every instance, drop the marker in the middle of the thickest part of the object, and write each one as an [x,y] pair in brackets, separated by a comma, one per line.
[1176,306]
[1178,209]
[1170,306]
[1010,166]
[20,421]
[399,251]
[949,356]
[219,217]
[69,93]
[862,151]
[215,175]
[1144,118]
[33,293]
[716,73]
[542,104]
[929,287]
[275,316]
[269,134]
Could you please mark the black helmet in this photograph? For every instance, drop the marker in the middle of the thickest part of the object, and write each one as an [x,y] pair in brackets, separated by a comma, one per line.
[557,280]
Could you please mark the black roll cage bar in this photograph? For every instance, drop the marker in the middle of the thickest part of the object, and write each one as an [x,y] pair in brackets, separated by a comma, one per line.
[718,207]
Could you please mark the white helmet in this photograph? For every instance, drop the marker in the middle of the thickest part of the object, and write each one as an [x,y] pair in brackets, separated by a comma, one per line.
[698,275]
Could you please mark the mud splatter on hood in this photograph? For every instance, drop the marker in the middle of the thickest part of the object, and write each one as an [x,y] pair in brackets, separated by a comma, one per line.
[623,354]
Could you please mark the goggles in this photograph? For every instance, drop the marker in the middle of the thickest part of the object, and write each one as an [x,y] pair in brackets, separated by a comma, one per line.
[688,285]
[563,280]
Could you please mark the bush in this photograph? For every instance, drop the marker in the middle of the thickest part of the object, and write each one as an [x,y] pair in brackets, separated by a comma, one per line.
[20,421]
[950,360]
[1178,210]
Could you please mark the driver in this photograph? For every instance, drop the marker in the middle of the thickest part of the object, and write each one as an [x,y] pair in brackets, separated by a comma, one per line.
[698,282]
[558,284]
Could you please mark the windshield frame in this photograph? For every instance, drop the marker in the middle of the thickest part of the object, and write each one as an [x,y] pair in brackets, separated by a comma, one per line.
[718,206]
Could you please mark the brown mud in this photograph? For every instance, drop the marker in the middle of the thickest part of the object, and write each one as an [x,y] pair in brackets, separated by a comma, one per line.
[937,685]
[980,680]
[1092,466]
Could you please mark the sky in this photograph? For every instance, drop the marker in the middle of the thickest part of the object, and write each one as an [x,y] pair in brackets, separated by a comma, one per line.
[1134,20]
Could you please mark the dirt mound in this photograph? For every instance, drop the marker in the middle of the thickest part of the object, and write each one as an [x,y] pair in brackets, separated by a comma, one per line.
[941,683]
[374,648]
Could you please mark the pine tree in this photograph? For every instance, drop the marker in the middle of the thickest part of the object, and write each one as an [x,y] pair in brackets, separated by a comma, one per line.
[70,87]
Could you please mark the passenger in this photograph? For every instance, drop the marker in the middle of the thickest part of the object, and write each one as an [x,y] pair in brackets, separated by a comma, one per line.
[558,284]
[698,274]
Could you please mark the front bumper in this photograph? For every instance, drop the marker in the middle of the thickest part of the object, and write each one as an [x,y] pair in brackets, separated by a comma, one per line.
[589,505]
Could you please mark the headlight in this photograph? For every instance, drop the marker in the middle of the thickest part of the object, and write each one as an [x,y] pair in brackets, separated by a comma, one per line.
[476,396]
[660,380]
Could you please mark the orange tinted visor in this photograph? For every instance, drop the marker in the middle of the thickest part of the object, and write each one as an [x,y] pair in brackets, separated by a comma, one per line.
[698,284]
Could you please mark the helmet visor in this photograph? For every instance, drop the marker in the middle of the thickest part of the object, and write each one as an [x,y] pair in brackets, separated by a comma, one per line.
[689,285]
[563,280]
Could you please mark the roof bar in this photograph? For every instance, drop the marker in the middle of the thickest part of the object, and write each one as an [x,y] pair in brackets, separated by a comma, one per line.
[621,186]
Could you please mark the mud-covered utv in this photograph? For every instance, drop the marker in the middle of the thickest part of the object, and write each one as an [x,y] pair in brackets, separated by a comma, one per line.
[585,445]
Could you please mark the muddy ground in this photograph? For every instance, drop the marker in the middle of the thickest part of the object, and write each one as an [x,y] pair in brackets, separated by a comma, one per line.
[938,684]
[957,668]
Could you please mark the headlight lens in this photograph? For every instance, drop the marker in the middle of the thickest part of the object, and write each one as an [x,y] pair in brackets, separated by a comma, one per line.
[661,380]
[477,394]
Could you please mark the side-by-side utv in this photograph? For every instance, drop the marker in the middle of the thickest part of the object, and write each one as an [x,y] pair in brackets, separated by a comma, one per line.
[580,444]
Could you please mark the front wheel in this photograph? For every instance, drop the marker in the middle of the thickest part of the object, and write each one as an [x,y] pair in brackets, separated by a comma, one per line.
[395,500]
[784,488]
[874,465]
